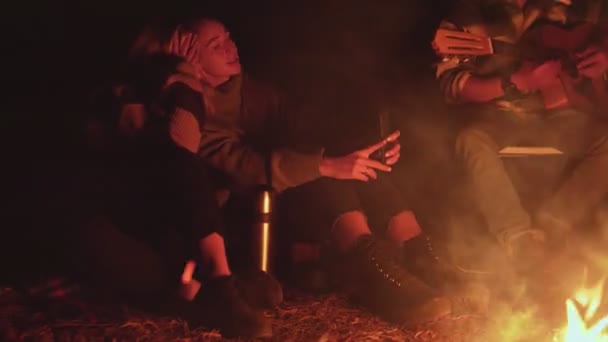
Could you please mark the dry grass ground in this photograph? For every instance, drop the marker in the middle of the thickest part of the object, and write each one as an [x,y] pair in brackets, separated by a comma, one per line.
[301,318]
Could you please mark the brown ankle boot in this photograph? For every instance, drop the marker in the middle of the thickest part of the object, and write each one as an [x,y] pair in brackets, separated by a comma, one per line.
[386,288]
[421,257]
[259,289]
[229,312]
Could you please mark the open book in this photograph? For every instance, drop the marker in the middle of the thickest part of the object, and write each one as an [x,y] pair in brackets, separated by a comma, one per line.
[522,151]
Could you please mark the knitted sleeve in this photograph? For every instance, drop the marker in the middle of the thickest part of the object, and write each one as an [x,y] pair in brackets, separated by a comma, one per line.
[225,145]
[183,105]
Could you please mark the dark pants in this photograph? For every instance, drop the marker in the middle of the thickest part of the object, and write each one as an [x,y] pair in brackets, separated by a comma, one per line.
[308,212]
[134,235]
[167,190]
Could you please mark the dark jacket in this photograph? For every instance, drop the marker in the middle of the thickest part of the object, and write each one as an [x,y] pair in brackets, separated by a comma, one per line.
[252,138]
[161,102]
[157,101]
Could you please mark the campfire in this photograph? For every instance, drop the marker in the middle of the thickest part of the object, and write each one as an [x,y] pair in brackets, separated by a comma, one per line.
[583,323]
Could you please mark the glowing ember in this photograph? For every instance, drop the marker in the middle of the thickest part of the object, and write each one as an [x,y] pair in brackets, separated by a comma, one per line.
[582,323]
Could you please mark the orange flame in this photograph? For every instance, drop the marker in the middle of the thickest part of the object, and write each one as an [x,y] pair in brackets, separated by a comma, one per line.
[581,311]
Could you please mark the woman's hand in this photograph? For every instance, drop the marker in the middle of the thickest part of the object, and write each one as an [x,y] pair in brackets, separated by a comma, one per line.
[392,156]
[358,165]
[184,44]
[593,62]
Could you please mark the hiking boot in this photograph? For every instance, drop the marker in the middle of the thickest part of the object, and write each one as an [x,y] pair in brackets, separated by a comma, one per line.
[389,290]
[421,258]
[229,312]
[527,251]
[555,230]
[259,289]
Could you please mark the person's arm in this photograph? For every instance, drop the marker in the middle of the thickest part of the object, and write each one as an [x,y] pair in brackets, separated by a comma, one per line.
[459,85]
[294,160]
[463,87]
[458,82]
[182,99]
[224,148]
[224,145]
[592,62]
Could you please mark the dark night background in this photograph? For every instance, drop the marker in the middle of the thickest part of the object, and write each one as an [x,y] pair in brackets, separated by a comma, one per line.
[346,60]
[343,58]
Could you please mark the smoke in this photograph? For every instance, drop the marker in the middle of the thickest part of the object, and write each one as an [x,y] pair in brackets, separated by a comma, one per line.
[345,61]
[349,60]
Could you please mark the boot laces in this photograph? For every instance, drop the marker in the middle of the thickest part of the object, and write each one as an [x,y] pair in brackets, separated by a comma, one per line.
[385,263]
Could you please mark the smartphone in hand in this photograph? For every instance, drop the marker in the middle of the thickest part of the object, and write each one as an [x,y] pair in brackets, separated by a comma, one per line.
[384,130]
[380,154]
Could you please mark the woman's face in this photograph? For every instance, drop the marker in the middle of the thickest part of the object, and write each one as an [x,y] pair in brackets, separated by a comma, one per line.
[219,56]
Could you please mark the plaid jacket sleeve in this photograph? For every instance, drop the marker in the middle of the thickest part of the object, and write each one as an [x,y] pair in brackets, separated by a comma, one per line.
[452,73]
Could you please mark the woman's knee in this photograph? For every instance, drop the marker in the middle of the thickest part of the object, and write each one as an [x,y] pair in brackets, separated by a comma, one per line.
[403,226]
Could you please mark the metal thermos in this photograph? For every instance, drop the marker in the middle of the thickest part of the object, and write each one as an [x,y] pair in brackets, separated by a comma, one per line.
[262,232]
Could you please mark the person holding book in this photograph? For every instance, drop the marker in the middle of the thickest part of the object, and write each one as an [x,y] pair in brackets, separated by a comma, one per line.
[505,95]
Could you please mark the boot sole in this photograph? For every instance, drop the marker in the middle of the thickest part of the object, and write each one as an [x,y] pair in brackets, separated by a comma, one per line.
[429,311]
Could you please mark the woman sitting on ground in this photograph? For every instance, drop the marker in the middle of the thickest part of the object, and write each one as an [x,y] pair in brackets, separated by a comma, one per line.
[249,136]
[162,219]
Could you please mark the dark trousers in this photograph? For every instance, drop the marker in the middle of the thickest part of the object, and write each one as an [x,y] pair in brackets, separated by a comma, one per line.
[308,212]
[138,222]
[583,140]
[161,190]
